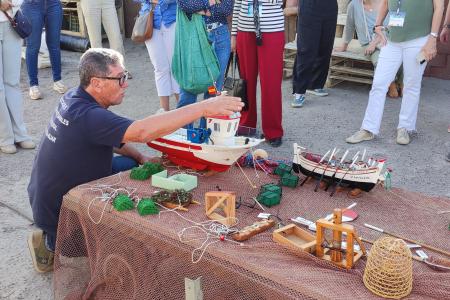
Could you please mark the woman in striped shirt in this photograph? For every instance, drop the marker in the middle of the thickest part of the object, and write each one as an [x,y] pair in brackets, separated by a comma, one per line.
[258,37]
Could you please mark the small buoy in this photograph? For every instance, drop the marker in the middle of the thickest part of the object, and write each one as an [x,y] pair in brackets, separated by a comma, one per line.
[260,153]
[222,237]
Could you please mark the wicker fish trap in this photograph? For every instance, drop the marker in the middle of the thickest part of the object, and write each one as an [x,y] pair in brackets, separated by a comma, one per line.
[388,270]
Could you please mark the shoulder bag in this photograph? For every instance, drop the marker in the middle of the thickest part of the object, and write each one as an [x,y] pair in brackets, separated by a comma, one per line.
[234,85]
[143,27]
[20,24]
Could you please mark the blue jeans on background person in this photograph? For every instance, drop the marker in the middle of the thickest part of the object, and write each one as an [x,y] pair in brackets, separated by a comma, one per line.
[48,14]
[220,38]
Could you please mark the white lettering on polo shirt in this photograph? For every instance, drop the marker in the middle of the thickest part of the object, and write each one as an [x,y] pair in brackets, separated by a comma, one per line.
[60,118]
[49,136]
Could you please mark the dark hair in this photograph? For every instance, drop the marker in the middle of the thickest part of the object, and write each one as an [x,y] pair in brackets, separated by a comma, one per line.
[96,62]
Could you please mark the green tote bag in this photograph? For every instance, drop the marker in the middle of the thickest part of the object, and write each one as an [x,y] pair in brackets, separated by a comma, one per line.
[194,63]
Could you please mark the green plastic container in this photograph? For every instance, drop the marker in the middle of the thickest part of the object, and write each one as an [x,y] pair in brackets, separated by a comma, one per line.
[269,198]
[283,169]
[271,187]
[289,180]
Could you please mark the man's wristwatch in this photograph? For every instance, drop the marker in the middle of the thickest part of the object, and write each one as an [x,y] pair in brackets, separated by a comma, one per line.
[448,26]
[434,34]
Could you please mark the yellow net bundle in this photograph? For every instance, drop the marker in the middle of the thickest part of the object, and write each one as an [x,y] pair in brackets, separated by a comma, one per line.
[388,271]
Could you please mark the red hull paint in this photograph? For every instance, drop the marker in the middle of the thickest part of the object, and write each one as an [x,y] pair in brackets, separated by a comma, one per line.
[187,158]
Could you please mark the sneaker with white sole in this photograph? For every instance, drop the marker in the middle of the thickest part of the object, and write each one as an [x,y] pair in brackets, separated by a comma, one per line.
[360,136]
[41,257]
[8,149]
[403,136]
[299,100]
[318,92]
[35,93]
[59,87]
[28,144]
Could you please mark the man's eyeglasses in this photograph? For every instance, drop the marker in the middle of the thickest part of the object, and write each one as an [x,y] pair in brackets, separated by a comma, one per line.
[122,79]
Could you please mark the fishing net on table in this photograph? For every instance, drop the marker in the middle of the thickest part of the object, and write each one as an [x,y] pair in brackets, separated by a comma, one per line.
[102,253]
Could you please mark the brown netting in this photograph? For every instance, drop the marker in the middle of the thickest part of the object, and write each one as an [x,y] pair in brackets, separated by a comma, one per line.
[126,256]
[388,270]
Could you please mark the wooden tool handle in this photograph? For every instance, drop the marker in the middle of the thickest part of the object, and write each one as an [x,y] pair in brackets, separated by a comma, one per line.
[249,231]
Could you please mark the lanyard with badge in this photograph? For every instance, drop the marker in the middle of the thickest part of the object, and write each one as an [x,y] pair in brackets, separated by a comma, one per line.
[397,18]
[250,9]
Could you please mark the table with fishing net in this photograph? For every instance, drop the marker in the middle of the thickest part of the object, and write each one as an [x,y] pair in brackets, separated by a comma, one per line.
[102,253]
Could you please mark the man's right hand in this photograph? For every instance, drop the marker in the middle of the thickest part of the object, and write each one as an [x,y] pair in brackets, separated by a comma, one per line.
[6,5]
[221,105]
[233,43]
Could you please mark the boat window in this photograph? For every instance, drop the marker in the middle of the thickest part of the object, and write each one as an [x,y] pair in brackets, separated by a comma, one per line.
[229,127]
[216,127]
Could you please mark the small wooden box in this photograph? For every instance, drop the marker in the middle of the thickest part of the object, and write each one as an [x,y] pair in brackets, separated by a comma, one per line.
[293,236]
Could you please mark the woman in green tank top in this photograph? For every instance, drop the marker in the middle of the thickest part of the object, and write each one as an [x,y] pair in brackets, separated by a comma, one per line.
[412,32]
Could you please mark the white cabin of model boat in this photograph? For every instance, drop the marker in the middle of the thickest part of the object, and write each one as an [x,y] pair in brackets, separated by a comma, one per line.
[223,129]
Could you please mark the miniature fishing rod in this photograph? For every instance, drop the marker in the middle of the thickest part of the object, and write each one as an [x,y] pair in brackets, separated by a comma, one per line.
[355,158]
[337,169]
[323,157]
[408,240]
[325,169]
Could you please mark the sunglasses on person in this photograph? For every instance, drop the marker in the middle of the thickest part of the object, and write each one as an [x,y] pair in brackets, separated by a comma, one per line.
[122,79]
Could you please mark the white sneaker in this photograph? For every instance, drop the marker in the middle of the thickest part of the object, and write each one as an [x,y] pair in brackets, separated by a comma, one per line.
[29,144]
[360,136]
[8,149]
[59,87]
[35,93]
[403,136]
[160,111]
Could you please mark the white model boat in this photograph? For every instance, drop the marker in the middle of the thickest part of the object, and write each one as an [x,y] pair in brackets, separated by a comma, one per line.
[353,173]
[213,148]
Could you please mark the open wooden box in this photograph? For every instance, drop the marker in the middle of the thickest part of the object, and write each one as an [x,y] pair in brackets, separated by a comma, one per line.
[293,236]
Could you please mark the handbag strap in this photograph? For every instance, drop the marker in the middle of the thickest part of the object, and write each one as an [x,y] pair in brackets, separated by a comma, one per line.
[11,20]
[234,63]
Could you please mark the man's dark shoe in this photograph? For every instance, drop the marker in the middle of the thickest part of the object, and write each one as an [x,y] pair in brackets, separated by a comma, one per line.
[276,142]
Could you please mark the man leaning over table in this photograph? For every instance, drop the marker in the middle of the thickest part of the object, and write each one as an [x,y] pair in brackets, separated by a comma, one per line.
[82,135]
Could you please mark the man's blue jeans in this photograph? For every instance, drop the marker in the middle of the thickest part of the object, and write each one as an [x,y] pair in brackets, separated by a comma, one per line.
[42,13]
[220,38]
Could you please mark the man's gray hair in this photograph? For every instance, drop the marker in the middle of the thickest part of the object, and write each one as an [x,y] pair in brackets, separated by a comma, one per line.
[96,62]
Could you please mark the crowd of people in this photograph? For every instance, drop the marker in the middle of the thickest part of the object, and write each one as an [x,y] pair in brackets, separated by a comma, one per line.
[399,36]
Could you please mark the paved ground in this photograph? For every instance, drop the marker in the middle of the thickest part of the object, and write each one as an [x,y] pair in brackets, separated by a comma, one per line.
[322,124]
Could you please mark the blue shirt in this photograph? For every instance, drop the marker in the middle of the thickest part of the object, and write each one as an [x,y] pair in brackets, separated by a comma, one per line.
[219,12]
[77,147]
[165,12]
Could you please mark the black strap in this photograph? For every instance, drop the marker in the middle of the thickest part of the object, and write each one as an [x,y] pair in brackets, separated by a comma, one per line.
[11,20]
[234,63]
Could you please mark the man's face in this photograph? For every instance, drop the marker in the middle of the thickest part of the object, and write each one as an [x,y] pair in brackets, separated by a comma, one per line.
[112,92]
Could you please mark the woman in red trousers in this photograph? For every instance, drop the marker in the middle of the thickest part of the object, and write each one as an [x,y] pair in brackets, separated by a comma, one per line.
[258,37]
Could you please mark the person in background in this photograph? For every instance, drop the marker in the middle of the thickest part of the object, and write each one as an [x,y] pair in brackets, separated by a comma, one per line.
[12,126]
[445,38]
[361,17]
[215,15]
[160,48]
[316,29]
[48,14]
[258,38]
[413,31]
[82,135]
[102,12]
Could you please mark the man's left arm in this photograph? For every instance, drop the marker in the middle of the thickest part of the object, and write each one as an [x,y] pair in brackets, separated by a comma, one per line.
[130,151]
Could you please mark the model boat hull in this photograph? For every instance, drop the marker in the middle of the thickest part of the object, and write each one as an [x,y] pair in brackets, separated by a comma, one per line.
[364,178]
[202,156]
